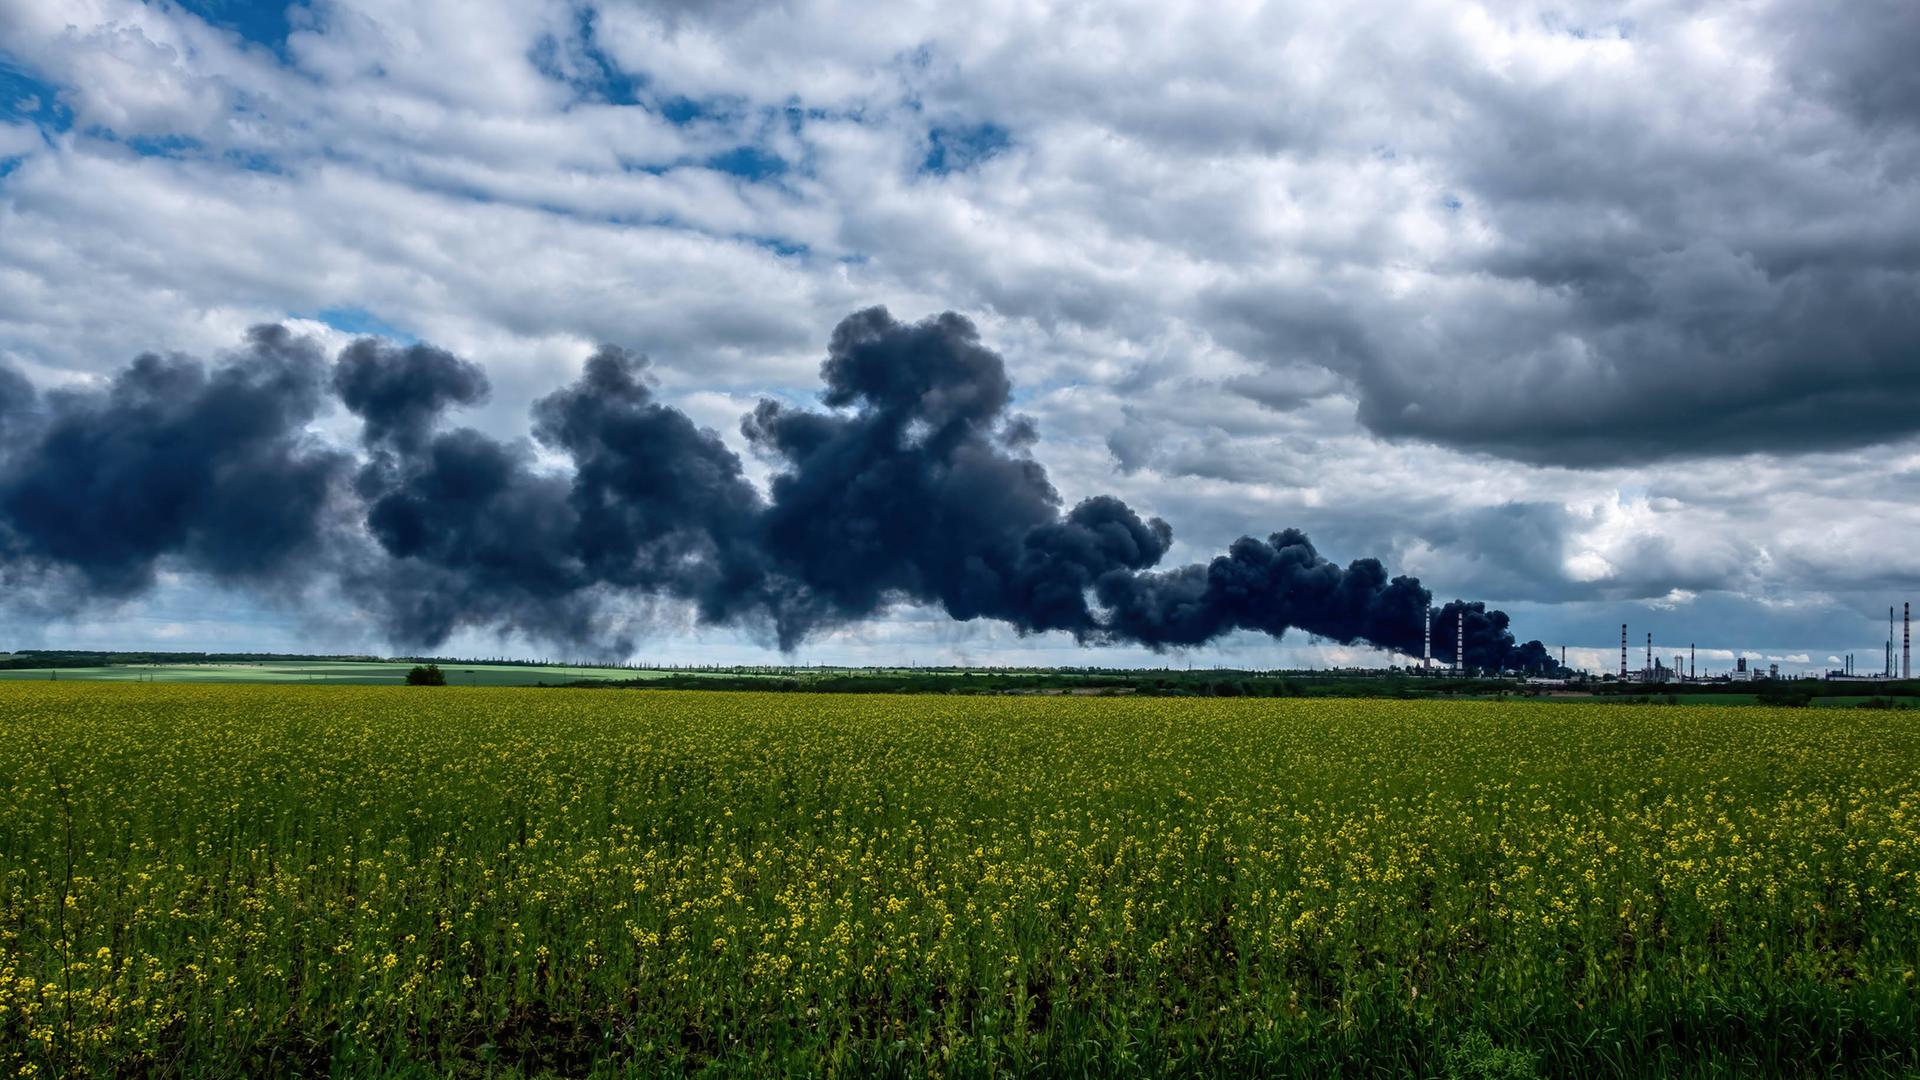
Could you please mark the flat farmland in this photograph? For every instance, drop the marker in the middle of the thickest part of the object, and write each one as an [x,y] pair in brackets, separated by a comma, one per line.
[385,881]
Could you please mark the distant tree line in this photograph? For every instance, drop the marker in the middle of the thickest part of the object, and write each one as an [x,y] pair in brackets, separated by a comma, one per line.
[1767,691]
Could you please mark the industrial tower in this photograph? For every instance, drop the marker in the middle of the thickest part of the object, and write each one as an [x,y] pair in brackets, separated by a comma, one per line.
[1426,638]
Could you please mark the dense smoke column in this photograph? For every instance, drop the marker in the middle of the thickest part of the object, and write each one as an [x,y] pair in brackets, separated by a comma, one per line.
[920,488]
[475,535]
[19,421]
[659,504]
[1490,644]
[1271,586]
[400,393]
[209,468]
[914,483]
[17,401]
[1533,658]
[465,531]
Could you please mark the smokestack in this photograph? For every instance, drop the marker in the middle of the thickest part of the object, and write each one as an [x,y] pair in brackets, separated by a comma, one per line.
[1649,654]
[1623,652]
[1692,672]
[1460,642]
[1426,637]
[1563,657]
[1906,640]
[1889,641]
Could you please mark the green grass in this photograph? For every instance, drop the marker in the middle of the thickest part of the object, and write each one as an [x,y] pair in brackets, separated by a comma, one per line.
[1836,701]
[1713,699]
[258,880]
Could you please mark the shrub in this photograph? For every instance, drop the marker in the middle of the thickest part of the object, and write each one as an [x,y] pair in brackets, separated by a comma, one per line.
[1790,697]
[426,675]
[1476,1057]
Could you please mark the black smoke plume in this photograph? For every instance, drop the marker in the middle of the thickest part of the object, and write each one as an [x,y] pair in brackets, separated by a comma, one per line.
[211,470]
[914,484]
[920,489]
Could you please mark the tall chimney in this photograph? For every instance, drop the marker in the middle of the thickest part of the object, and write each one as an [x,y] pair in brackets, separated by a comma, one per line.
[1623,652]
[1426,636]
[1649,654]
[1460,641]
[1563,657]
[1906,640]
[1692,671]
[1889,641]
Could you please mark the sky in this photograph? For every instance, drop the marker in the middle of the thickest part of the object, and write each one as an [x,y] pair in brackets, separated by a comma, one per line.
[1600,313]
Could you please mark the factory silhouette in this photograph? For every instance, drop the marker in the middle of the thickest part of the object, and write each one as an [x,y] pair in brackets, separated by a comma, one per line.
[1684,668]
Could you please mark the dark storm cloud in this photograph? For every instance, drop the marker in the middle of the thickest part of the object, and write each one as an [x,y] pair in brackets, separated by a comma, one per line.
[18,421]
[17,400]
[1863,64]
[914,485]
[1696,353]
[1639,273]
[1284,390]
[173,460]
[1711,353]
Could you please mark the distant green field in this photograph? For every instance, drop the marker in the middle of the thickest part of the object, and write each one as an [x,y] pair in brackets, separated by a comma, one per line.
[1838,701]
[1716,699]
[346,673]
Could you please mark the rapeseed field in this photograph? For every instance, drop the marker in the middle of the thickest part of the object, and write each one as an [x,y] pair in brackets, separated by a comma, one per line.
[246,881]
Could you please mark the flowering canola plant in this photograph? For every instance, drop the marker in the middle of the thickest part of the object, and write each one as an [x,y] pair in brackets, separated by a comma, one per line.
[257,880]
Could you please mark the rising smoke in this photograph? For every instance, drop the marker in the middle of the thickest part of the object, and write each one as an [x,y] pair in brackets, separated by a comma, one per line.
[914,484]
[211,470]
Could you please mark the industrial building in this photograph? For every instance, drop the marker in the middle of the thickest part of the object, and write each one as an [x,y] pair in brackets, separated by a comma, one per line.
[1684,669]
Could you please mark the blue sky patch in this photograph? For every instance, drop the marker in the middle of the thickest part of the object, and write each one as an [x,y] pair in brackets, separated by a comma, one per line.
[253,161]
[748,163]
[682,111]
[593,74]
[780,247]
[957,149]
[360,322]
[26,97]
[262,22]
[166,146]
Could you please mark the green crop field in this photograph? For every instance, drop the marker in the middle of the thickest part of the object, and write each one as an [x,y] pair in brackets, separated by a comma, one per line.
[289,880]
